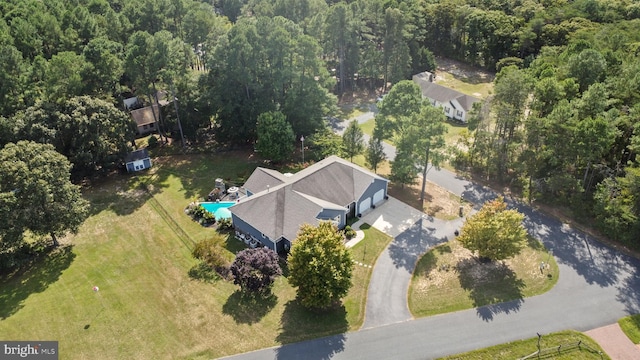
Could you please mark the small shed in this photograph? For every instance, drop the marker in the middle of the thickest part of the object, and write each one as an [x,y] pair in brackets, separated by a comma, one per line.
[138,160]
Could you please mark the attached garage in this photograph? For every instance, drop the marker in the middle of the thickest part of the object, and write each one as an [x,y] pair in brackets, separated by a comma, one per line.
[378,197]
[364,205]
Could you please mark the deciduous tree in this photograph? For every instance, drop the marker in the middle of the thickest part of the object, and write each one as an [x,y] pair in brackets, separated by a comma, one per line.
[255,270]
[92,133]
[494,232]
[36,193]
[320,266]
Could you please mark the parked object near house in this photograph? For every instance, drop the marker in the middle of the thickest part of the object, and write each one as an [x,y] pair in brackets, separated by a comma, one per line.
[137,160]
[455,104]
[277,204]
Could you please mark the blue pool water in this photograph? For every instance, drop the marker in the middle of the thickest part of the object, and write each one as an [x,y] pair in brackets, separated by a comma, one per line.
[219,209]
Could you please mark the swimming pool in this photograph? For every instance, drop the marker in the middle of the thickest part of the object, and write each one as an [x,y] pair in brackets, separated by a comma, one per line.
[219,209]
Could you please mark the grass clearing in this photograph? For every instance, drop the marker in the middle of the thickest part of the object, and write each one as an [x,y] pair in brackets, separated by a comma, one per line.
[630,325]
[557,346]
[448,278]
[367,126]
[455,131]
[470,84]
[136,247]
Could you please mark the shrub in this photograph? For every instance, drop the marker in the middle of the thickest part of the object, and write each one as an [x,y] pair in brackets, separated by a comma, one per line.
[225,224]
[208,218]
[152,142]
[349,233]
[211,253]
[198,212]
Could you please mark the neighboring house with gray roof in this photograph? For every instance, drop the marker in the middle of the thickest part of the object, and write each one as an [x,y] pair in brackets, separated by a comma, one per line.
[455,104]
[277,204]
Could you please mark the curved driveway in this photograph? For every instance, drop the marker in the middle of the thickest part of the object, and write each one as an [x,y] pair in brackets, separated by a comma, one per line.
[597,286]
[414,233]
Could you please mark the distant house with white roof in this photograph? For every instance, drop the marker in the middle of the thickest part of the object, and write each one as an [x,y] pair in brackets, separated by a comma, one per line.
[455,104]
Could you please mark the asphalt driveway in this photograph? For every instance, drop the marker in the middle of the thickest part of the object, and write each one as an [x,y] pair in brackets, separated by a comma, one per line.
[414,233]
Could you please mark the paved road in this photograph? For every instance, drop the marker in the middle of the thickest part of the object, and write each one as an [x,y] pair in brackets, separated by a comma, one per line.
[596,287]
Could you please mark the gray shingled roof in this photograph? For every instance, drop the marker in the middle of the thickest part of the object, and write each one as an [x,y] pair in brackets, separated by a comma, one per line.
[443,94]
[278,213]
[136,155]
[279,210]
[262,178]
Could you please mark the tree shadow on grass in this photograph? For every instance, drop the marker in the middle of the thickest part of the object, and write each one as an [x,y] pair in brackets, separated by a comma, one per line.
[248,308]
[124,193]
[45,270]
[299,324]
[493,287]
[429,262]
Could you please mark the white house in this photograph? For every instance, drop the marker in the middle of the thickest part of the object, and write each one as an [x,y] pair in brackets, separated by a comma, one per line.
[455,104]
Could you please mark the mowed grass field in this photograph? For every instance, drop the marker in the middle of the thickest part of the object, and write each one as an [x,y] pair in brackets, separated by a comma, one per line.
[136,247]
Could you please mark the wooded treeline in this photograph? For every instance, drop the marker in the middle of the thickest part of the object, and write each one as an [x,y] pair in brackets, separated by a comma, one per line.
[562,124]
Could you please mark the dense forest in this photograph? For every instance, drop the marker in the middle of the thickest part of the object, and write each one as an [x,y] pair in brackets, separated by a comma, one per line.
[562,125]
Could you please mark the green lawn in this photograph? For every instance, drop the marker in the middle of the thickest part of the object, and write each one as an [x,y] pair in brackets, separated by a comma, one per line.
[474,86]
[136,248]
[557,346]
[448,279]
[631,326]
[367,126]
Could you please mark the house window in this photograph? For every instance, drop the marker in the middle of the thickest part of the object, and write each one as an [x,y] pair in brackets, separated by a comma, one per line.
[152,125]
[446,110]
[459,113]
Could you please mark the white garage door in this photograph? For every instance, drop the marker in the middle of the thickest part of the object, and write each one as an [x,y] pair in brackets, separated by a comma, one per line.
[378,196]
[364,205]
